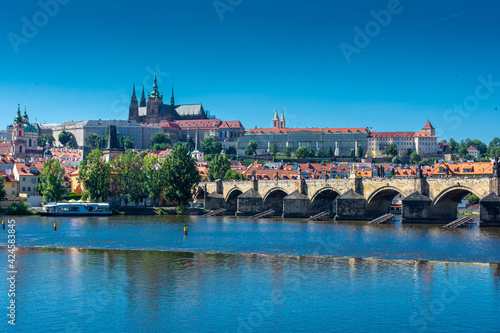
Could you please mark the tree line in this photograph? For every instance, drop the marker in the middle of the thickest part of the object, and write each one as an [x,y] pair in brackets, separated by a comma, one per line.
[129,176]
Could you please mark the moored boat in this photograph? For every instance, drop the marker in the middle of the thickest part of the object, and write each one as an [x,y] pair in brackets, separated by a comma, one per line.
[76,209]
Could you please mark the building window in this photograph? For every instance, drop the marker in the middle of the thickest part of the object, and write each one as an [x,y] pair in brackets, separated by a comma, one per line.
[24,189]
[33,180]
[13,192]
[13,185]
[24,179]
[29,189]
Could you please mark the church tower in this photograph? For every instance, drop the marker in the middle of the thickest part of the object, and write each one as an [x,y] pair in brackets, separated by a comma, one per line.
[133,111]
[18,148]
[155,103]
[172,100]
[428,128]
[282,120]
[276,120]
[143,99]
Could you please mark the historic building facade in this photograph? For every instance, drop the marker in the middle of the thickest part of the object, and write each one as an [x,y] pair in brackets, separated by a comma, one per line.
[153,110]
[24,137]
[423,143]
[342,140]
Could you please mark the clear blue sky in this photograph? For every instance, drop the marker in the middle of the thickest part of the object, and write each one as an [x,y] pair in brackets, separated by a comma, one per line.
[261,56]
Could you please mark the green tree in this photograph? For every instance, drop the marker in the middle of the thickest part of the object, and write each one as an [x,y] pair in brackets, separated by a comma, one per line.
[251,148]
[493,149]
[415,158]
[92,140]
[128,177]
[218,167]
[127,142]
[409,151]
[65,137]
[50,181]
[473,199]
[153,177]
[360,152]
[44,138]
[273,149]
[288,151]
[160,141]
[234,175]
[391,150]
[95,175]
[453,146]
[210,146]
[352,154]
[311,153]
[479,145]
[426,161]
[397,160]
[3,193]
[143,153]
[301,152]
[181,175]
[231,150]
[329,153]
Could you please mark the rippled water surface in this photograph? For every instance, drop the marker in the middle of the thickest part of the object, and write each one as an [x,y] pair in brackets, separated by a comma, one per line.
[130,274]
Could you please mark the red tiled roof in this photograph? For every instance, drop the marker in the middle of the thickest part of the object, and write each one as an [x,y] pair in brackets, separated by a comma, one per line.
[324,130]
[231,124]
[472,149]
[401,135]
[201,123]
[5,147]
[427,126]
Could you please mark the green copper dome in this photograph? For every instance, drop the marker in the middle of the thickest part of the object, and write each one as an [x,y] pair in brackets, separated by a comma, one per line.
[29,129]
[25,115]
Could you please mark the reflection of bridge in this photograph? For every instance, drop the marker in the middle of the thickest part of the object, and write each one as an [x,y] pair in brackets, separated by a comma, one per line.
[425,199]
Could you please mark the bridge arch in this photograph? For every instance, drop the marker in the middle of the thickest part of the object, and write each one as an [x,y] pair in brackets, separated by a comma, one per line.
[445,204]
[273,199]
[324,200]
[232,200]
[379,202]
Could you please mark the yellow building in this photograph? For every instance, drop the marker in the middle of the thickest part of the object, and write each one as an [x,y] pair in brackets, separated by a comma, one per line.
[11,185]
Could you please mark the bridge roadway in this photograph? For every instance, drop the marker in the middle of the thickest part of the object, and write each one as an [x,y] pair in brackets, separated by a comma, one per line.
[426,200]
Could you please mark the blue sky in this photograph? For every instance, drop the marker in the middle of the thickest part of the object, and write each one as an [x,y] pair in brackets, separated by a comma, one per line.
[430,60]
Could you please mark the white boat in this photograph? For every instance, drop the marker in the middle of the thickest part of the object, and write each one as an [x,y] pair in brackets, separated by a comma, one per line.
[76,209]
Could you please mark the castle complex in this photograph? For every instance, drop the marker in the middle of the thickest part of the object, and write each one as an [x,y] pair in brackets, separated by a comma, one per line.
[153,110]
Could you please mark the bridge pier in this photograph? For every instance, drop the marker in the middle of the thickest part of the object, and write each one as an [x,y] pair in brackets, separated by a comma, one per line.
[417,208]
[489,213]
[296,204]
[351,206]
[249,203]
[215,200]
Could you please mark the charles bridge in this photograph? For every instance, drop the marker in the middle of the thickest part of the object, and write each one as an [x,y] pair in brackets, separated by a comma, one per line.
[426,200]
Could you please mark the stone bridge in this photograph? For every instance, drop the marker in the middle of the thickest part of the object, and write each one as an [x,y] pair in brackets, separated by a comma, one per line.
[426,200]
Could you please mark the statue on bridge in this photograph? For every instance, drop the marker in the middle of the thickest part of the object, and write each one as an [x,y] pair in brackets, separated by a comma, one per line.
[495,167]
[418,171]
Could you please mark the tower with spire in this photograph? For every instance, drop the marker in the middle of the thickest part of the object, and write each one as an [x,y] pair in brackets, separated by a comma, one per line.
[428,128]
[143,99]
[133,111]
[172,100]
[279,122]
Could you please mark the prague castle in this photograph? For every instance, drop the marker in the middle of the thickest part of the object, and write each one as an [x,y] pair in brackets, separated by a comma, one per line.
[153,110]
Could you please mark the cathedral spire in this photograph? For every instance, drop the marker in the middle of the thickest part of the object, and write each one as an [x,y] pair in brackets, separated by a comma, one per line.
[155,93]
[172,100]
[143,99]
[276,115]
[282,116]
[133,92]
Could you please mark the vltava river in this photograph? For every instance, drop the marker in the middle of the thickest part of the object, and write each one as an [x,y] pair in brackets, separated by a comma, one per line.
[134,274]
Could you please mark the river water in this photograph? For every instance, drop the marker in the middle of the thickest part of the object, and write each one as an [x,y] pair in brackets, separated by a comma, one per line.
[141,274]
